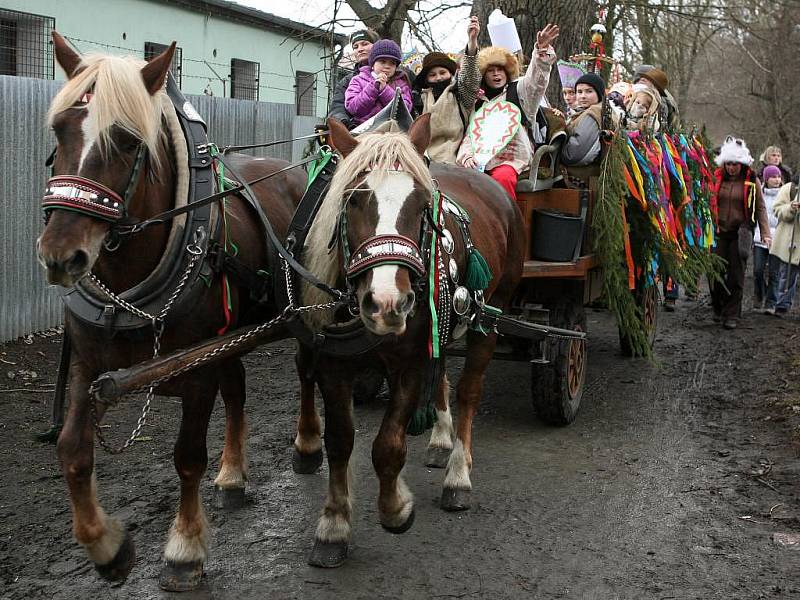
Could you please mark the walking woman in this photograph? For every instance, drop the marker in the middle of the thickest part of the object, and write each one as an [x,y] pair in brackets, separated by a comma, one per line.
[738,205]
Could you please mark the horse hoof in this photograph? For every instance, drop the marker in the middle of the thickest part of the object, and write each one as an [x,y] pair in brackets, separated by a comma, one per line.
[328,555]
[402,528]
[455,500]
[180,577]
[306,464]
[120,566]
[50,436]
[229,498]
[437,458]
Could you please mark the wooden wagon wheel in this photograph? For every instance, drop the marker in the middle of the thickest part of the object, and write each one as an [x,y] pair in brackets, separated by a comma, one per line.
[557,386]
[576,365]
[647,299]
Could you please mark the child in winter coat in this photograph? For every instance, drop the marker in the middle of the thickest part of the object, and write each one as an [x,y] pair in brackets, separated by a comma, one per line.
[448,96]
[642,109]
[773,180]
[583,144]
[374,86]
[500,70]
[784,252]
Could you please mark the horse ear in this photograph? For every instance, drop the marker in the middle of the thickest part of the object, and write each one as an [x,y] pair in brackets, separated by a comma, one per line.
[340,137]
[154,73]
[420,133]
[67,58]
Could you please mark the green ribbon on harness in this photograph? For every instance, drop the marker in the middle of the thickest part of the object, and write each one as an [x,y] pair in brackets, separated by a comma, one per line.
[424,416]
[315,167]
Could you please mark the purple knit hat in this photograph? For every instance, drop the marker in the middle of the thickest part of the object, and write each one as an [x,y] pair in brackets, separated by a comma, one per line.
[385,49]
[771,171]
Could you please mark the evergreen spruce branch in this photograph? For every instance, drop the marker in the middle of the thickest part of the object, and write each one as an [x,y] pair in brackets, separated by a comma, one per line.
[609,234]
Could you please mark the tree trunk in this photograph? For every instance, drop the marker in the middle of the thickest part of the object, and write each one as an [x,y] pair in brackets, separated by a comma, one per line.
[574,18]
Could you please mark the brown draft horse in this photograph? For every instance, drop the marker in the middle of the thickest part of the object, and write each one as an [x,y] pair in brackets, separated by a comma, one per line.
[108,108]
[382,187]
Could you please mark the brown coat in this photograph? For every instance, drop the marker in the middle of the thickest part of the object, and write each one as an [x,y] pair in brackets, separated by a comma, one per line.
[731,202]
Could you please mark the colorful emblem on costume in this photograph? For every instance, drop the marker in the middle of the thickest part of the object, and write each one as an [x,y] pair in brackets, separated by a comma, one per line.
[491,128]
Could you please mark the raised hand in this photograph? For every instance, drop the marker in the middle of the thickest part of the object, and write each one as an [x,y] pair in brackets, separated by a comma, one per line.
[546,36]
[473,29]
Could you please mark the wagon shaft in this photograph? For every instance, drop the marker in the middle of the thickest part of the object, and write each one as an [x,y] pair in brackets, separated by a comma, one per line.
[112,386]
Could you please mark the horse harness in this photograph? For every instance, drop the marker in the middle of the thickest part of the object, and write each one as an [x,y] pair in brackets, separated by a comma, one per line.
[133,310]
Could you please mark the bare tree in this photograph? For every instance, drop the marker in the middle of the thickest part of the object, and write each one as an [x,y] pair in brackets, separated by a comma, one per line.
[388,21]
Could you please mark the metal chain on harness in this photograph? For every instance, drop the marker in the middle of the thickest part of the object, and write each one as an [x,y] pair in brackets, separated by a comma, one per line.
[157,322]
[291,311]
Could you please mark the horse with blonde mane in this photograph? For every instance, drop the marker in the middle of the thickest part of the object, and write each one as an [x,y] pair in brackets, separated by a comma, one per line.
[122,154]
[379,202]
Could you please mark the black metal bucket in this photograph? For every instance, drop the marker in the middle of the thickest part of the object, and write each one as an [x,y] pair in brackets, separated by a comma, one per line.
[556,237]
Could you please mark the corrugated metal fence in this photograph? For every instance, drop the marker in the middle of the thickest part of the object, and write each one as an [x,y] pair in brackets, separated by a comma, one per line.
[27,304]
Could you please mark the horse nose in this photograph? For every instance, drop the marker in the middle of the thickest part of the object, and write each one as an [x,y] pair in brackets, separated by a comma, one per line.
[368,304]
[75,264]
[405,303]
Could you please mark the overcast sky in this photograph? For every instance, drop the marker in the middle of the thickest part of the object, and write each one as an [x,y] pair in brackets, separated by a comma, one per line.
[450,29]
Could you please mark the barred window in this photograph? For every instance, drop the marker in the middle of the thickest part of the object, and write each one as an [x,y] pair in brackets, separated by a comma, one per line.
[25,48]
[244,79]
[152,49]
[305,93]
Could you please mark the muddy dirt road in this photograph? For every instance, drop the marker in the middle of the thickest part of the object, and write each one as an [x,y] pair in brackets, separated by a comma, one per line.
[671,484]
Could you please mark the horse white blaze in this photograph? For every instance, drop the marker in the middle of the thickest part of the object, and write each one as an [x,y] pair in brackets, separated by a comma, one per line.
[457,476]
[391,190]
[89,136]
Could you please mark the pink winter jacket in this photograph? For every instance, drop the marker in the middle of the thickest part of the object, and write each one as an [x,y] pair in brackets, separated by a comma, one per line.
[363,99]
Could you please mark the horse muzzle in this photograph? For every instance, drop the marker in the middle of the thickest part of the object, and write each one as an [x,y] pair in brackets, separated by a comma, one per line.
[68,270]
[385,313]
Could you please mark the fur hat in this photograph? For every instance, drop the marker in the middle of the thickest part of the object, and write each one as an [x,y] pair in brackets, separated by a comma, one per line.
[434,59]
[734,150]
[596,82]
[771,171]
[499,57]
[655,76]
[385,49]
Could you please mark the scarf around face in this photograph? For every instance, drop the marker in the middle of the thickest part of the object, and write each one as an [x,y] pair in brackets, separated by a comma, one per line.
[439,86]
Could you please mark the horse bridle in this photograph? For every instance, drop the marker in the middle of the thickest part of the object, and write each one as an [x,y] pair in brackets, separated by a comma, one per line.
[385,249]
[89,197]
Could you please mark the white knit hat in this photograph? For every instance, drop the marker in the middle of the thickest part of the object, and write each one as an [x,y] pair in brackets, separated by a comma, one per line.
[734,150]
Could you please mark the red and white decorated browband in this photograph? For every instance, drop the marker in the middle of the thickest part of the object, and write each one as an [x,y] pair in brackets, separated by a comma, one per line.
[383,249]
[75,193]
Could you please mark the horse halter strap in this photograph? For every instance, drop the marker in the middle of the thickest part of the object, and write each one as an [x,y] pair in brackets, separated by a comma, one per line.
[386,249]
[89,197]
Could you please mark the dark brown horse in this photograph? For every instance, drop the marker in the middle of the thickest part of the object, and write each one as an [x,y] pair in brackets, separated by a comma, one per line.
[110,111]
[381,192]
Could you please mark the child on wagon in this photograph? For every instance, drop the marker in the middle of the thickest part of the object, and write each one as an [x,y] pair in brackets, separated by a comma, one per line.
[643,108]
[448,97]
[374,86]
[500,70]
[583,144]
